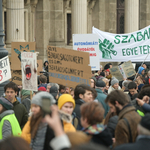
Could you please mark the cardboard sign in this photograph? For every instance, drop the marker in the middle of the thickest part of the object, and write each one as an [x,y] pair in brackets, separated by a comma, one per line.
[5,73]
[88,43]
[115,71]
[16,49]
[16,77]
[29,70]
[68,67]
[128,69]
[39,66]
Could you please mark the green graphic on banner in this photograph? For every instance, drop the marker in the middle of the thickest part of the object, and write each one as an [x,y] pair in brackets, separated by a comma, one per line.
[106,47]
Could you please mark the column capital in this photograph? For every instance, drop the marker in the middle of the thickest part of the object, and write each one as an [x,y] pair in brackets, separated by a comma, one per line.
[4,3]
[91,4]
[33,5]
[26,2]
[67,3]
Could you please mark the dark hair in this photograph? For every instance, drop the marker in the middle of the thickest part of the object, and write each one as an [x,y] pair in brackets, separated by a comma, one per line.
[119,96]
[14,143]
[145,91]
[93,112]
[11,85]
[61,87]
[43,78]
[81,89]
[94,93]
[132,85]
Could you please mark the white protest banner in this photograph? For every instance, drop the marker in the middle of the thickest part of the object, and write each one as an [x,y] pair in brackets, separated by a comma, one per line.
[5,72]
[88,43]
[29,70]
[124,47]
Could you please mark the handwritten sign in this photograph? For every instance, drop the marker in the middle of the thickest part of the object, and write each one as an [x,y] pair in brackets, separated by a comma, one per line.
[39,66]
[128,69]
[5,73]
[16,77]
[68,67]
[115,71]
[16,49]
[29,71]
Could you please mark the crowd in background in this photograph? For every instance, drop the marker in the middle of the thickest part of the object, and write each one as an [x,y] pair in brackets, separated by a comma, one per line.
[108,114]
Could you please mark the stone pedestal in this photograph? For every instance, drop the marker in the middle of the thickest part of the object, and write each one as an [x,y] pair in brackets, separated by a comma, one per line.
[15,21]
[131,15]
[79,16]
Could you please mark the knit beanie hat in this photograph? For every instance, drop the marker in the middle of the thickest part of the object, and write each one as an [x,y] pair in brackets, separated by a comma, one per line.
[114,81]
[25,92]
[37,99]
[145,121]
[64,98]
[6,103]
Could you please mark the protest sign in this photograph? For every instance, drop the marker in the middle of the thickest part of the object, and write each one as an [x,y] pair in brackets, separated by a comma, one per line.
[88,43]
[68,67]
[16,49]
[39,66]
[29,70]
[16,77]
[128,69]
[124,47]
[5,73]
[115,71]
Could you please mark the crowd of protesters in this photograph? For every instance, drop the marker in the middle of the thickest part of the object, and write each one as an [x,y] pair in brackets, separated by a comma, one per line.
[108,114]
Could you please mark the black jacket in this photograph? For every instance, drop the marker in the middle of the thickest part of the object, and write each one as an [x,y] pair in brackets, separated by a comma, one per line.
[141,144]
[78,102]
[112,125]
[20,113]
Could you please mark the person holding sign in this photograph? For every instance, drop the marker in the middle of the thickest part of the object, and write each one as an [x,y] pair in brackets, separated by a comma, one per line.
[8,123]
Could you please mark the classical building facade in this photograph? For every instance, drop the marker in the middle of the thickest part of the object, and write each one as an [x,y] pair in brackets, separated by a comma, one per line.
[52,22]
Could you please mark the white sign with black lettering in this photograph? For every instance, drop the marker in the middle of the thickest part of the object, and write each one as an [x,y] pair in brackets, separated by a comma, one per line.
[5,72]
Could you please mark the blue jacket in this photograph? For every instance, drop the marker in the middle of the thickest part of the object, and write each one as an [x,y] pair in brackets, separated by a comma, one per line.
[101,98]
[140,70]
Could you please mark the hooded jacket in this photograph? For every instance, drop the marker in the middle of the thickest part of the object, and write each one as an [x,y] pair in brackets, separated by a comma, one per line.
[140,70]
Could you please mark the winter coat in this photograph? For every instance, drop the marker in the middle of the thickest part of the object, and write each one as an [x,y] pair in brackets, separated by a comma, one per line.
[20,113]
[142,143]
[26,135]
[43,85]
[122,134]
[78,102]
[109,115]
[112,123]
[68,127]
[140,69]
[100,135]
[101,98]
[137,106]
[27,104]
[112,89]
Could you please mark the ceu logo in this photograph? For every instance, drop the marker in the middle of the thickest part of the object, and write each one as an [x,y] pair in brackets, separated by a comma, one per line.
[106,47]
[22,49]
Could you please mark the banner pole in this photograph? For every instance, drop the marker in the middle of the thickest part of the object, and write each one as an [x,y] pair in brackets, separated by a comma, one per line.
[141,66]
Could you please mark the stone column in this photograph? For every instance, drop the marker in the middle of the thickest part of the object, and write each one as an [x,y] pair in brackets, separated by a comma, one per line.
[15,21]
[131,15]
[79,16]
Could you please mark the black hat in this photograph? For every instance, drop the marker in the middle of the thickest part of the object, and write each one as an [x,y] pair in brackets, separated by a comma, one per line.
[6,103]
[54,91]
[100,83]
[145,121]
